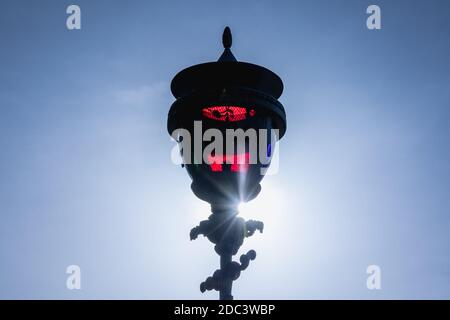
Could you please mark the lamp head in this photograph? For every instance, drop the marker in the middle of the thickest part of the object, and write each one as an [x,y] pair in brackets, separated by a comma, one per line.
[227,96]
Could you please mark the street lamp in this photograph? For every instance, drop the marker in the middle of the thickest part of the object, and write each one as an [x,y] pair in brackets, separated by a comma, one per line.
[236,103]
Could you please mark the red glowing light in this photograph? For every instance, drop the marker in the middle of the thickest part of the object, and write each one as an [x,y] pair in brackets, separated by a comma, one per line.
[225,113]
[239,162]
[216,163]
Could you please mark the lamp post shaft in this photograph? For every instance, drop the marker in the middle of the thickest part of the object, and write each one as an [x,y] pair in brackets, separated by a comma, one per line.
[225,291]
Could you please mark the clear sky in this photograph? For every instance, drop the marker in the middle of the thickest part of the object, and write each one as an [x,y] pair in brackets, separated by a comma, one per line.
[85,170]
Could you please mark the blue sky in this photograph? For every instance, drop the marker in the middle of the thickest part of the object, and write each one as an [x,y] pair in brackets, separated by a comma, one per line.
[85,170]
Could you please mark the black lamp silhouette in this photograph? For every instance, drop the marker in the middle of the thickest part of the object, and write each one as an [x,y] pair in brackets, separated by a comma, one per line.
[227,94]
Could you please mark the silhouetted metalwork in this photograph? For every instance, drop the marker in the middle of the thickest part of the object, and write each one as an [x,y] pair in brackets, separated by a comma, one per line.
[227,94]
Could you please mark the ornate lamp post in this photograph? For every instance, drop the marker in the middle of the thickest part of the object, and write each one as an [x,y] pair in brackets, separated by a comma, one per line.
[227,95]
